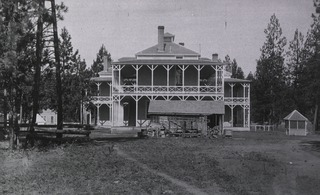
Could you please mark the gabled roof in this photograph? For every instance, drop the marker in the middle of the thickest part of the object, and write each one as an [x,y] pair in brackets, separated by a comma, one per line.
[169,49]
[182,108]
[295,116]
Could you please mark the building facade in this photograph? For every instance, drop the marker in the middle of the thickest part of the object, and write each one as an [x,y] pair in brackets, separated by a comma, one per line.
[172,85]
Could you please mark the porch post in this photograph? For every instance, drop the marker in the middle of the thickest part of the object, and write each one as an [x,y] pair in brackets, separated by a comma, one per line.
[198,79]
[119,78]
[199,68]
[249,124]
[216,73]
[244,116]
[137,104]
[152,69]
[232,107]
[110,113]
[98,113]
[167,67]
[98,85]
[137,76]
[231,85]
[110,87]
[183,69]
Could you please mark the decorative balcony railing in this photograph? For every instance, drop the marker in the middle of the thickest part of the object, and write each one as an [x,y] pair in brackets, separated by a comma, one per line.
[101,98]
[126,89]
[236,100]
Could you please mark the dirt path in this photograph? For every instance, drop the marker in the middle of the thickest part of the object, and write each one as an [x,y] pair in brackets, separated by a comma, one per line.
[189,188]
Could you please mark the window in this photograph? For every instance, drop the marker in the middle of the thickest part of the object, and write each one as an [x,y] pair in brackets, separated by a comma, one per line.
[52,119]
[301,124]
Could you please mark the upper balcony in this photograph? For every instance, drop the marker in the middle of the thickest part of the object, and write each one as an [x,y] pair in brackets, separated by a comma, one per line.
[168,79]
[236,91]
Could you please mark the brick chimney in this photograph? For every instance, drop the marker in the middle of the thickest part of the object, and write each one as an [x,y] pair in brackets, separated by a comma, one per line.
[215,57]
[161,38]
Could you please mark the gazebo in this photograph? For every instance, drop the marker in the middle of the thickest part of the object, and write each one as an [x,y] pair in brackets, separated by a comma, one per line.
[296,123]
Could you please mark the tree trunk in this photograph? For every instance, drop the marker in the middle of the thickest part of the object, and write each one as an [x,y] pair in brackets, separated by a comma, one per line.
[37,67]
[58,67]
[315,119]
[5,110]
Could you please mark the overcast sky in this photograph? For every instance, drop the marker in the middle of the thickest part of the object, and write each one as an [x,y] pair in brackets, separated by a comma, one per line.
[234,27]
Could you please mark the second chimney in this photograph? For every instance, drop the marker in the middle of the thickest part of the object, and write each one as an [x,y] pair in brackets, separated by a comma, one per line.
[161,38]
[215,57]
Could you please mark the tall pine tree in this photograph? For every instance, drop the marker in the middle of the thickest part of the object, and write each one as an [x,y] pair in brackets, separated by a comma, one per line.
[269,85]
[296,60]
[311,71]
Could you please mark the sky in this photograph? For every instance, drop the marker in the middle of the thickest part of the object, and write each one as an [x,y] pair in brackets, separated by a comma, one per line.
[227,27]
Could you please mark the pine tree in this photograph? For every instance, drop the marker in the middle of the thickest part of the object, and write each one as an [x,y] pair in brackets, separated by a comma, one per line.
[250,76]
[97,65]
[269,85]
[311,71]
[295,79]
[16,58]
[236,70]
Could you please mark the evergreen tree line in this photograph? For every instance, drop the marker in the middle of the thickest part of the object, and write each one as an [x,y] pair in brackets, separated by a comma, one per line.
[38,67]
[287,75]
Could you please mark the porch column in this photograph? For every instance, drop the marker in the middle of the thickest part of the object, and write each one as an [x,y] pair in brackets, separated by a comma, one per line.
[98,113]
[119,78]
[183,68]
[137,110]
[110,112]
[137,68]
[168,68]
[249,124]
[110,87]
[244,116]
[232,85]
[199,68]
[152,68]
[216,73]
[98,86]
[231,107]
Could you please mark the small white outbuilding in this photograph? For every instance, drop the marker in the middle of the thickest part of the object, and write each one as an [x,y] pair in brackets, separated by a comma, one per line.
[296,123]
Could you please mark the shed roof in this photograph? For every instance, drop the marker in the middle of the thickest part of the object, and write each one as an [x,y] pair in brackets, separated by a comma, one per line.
[182,108]
[295,116]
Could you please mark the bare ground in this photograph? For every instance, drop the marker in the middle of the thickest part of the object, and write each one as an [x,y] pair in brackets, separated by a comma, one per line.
[248,163]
